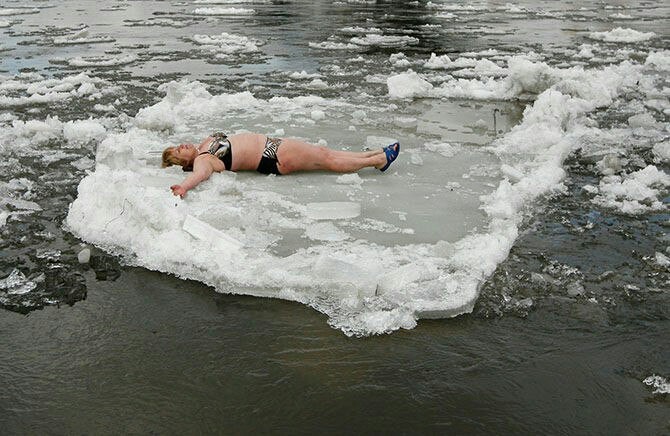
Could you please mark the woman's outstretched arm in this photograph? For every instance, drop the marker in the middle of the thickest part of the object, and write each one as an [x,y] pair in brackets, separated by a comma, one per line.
[202,169]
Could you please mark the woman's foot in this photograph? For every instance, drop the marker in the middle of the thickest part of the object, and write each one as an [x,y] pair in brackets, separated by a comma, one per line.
[392,151]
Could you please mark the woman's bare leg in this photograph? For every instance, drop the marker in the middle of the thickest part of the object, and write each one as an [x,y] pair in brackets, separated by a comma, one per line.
[295,155]
[368,153]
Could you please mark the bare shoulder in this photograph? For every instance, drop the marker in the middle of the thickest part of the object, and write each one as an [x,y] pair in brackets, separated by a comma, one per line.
[207,160]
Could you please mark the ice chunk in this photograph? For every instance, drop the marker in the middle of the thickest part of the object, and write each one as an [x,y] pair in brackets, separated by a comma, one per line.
[445,149]
[385,40]
[358,114]
[373,142]
[349,179]
[404,121]
[84,255]
[81,37]
[318,115]
[660,384]
[661,60]
[634,193]
[644,120]
[437,62]
[18,11]
[325,231]
[203,231]
[349,277]
[21,204]
[226,44]
[415,158]
[662,259]
[304,75]
[328,45]
[102,61]
[83,131]
[83,163]
[333,210]
[408,84]
[662,151]
[575,289]
[223,11]
[622,35]
[399,60]
[16,284]
[610,165]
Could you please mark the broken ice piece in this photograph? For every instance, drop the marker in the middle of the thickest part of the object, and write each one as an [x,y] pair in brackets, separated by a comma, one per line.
[333,210]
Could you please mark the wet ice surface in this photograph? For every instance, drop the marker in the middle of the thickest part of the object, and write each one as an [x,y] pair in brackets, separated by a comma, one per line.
[84,95]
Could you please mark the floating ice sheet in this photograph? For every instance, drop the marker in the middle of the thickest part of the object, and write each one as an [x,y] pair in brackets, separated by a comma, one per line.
[373,273]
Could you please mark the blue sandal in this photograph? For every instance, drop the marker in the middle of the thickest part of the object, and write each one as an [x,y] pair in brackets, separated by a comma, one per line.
[392,151]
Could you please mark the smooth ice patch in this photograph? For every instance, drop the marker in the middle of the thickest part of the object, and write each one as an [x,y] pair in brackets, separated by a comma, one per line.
[333,210]
[325,231]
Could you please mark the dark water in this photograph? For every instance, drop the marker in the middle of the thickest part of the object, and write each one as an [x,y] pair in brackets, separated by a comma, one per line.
[148,353]
[559,342]
[152,354]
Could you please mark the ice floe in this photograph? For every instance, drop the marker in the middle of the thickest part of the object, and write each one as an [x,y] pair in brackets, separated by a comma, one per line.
[225,44]
[223,11]
[634,193]
[82,37]
[620,34]
[333,45]
[437,279]
[37,90]
[102,60]
[18,11]
[384,40]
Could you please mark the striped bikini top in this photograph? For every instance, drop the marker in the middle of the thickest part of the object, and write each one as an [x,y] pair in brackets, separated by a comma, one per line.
[221,148]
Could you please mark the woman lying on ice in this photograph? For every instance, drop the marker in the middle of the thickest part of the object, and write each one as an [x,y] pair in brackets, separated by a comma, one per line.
[252,151]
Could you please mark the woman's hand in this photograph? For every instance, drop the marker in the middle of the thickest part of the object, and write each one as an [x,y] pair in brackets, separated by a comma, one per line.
[178,190]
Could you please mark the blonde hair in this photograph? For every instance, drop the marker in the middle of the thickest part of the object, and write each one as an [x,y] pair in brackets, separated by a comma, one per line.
[170,159]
